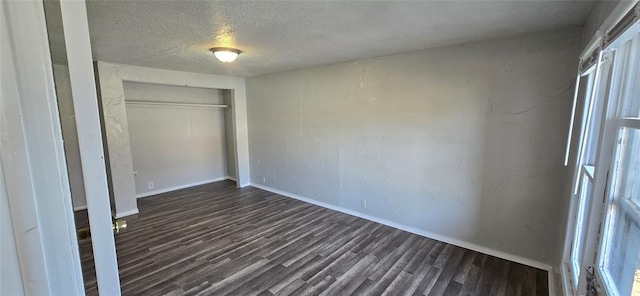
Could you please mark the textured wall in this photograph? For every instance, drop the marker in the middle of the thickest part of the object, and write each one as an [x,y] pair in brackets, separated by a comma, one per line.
[464,142]
[175,146]
[70,135]
[118,150]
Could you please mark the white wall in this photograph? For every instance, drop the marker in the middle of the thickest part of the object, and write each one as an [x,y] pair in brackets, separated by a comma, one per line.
[10,277]
[115,129]
[462,142]
[175,146]
[70,135]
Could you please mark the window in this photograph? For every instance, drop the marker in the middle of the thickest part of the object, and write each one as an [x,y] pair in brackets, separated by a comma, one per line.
[582,185]
[603,230]
[590,100]
[620,254]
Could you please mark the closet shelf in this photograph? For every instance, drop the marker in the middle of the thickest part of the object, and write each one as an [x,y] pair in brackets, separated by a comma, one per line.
[176,104]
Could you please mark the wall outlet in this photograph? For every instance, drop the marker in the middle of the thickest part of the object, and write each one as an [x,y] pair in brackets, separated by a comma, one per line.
[150,185]
[363,203]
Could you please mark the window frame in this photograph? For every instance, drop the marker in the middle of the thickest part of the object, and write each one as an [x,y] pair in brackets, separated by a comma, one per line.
[608,155]
[612,206]
[588,139]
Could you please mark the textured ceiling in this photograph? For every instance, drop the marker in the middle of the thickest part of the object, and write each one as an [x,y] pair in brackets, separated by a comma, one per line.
[284,35]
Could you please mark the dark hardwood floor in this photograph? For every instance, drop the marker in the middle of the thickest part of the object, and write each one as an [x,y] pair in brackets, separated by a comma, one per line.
[215,239]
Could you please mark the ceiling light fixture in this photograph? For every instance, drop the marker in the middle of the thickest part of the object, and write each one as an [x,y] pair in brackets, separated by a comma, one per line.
[225,54]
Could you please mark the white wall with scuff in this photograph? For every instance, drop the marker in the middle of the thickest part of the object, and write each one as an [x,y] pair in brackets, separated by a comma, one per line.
[116,136]
[70,135]
[175,146]
[463,142]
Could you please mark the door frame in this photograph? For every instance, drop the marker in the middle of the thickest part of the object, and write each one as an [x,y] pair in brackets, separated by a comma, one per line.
[32,150]
[87,115]
[33,156]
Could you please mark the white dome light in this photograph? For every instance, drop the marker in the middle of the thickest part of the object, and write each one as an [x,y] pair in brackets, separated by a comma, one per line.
[225,54]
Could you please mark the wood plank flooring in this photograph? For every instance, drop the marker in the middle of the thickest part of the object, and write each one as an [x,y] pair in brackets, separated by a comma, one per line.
[215,239]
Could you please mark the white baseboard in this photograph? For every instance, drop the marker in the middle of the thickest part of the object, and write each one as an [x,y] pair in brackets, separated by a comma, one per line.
[438,237]
[165,190]
[80,208]
[127,213]
[239,185]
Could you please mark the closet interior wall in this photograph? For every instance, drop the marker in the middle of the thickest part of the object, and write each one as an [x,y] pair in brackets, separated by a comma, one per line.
[178,135]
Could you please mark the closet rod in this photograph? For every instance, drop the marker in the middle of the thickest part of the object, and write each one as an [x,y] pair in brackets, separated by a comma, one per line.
[176,104]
